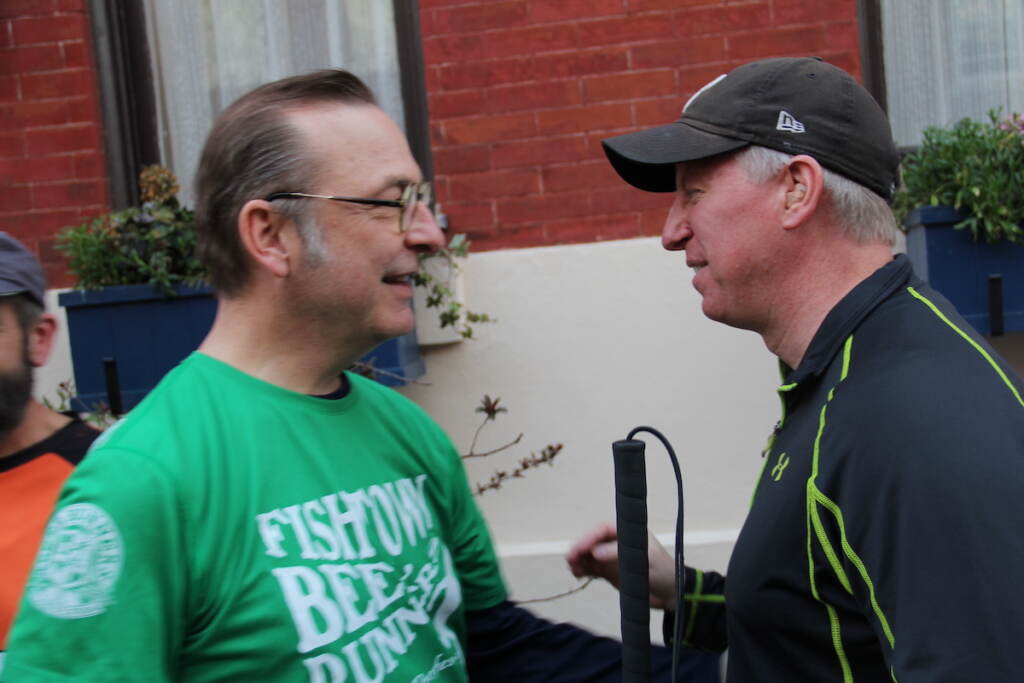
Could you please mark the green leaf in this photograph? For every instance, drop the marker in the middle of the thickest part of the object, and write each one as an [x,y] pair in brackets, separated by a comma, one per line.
[974,166]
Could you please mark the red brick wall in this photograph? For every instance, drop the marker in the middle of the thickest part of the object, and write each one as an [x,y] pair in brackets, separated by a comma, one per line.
[522,91]
[52,169]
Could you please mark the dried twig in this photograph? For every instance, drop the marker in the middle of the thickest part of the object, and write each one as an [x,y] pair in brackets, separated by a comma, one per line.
[547,456]
[499,449]
[491,408]
[577,589]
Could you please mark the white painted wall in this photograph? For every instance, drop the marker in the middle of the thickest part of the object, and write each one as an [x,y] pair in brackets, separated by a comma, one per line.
[591,341]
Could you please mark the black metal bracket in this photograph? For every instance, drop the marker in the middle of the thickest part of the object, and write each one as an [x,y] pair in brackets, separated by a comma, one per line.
[113,387]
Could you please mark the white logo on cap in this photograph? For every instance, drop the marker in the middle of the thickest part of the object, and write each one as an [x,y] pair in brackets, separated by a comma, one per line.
[788,123]
[702,89]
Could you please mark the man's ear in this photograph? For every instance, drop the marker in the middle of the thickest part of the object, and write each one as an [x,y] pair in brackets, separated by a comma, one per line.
[41,336]
[803,180]
[268,236]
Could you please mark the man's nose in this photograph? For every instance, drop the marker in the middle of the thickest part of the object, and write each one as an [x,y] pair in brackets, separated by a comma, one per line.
[676,232]
[424,234]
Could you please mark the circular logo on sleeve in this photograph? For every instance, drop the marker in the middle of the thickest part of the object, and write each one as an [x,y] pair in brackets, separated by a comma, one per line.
[78,564]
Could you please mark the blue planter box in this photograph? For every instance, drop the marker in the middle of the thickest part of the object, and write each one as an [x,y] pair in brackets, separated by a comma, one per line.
[958,267]
[147,334]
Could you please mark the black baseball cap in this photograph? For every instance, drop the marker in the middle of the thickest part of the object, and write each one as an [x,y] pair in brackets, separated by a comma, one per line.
[795,105]
[20,272]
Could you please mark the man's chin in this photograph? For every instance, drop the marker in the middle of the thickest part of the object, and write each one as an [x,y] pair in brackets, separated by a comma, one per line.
[715,311]
[401,325]
[720,316]
[710,311]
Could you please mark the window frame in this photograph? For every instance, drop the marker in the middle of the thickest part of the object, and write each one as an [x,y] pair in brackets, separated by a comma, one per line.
[128,101]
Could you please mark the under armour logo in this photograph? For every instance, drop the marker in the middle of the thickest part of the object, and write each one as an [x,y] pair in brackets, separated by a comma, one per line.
[789,124]
[780,466]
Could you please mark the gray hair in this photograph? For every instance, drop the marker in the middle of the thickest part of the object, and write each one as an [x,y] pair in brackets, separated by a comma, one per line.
[253,151]
[860,213]
[312,237]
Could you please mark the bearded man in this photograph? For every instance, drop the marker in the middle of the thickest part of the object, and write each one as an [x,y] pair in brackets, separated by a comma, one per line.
[38,447]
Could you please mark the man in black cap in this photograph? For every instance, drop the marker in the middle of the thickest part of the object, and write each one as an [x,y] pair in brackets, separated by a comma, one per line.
[38,447]
[884,538]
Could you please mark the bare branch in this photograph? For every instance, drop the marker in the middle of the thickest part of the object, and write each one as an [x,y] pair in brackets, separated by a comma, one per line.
[577,589]
[499,449]
[547,455]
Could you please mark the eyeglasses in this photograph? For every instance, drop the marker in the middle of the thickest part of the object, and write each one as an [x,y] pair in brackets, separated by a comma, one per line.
[413,195]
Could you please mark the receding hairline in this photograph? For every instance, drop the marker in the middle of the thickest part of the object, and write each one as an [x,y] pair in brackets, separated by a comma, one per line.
[296,111]
[300,119]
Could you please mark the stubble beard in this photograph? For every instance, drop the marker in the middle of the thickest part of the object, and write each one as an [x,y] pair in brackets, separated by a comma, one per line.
[15,393]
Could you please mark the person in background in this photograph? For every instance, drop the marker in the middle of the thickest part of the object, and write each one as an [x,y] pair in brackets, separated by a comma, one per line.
[263,514]
[38,447]
[884,538]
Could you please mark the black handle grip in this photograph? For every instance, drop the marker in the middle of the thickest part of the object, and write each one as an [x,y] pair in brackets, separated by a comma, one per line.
[634,583]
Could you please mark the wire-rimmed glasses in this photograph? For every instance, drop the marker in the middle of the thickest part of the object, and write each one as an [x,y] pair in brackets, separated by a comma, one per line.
[413,195]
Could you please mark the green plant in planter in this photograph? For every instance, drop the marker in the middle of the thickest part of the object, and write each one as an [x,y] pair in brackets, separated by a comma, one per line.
[976,168]
[153,243]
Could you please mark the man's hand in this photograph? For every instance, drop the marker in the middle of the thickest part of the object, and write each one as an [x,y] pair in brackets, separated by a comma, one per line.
[597,554]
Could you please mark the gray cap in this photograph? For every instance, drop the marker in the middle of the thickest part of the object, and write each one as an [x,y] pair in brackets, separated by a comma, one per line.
[20,271]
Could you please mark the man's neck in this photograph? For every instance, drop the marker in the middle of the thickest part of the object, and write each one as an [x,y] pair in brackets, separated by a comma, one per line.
[37,424]
[818,289]
[272,347]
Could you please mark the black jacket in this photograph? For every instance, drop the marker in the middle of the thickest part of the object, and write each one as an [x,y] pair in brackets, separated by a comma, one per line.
[885,540]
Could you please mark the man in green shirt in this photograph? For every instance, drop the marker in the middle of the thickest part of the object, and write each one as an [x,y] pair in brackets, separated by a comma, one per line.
[262,514]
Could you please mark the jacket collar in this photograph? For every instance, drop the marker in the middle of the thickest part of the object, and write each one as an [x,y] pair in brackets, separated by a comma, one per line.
[846,315]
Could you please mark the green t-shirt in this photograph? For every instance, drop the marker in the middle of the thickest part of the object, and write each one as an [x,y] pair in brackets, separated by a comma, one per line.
[228,529]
